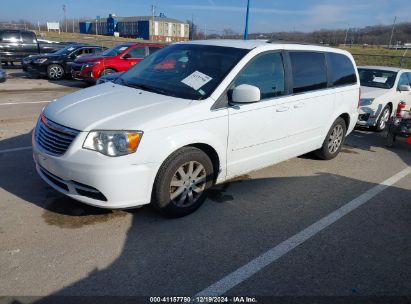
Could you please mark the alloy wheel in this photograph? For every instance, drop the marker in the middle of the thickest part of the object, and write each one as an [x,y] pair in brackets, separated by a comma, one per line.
[187,184]
[385,116]
[56,72]
[335,140]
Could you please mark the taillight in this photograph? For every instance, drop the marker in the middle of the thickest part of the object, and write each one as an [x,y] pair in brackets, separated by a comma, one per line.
[400,108]
[359,98]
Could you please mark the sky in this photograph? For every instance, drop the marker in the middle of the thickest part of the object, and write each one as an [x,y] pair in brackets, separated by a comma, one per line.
[216,15]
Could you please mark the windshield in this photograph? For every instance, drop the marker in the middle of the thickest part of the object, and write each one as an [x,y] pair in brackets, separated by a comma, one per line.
[66,50]
[377,78]
[115,50]
[183,70]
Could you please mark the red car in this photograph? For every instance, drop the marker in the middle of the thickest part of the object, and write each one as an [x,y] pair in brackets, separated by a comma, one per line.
[116,59]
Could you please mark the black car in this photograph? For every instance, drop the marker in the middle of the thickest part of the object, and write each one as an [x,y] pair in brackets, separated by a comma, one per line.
[58,64]
[17,44]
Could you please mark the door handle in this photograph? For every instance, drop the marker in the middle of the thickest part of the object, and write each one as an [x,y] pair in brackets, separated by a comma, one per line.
[299,105]
[283,109]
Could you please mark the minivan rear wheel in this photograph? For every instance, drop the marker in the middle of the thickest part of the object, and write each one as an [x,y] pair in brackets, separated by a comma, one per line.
[182,182]
[334,140]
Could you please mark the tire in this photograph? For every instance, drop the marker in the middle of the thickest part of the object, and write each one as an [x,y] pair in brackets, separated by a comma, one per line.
[333,141]
[55,72]
[108,72]
[173,192]
[383,119]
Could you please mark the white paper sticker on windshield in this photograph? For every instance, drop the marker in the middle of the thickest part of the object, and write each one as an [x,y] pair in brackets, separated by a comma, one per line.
[380,79]
[71,48]
[196,80]
[123,48]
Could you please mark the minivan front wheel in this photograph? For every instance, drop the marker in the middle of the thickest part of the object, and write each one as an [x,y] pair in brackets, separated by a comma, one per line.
[182,182]
[334,140]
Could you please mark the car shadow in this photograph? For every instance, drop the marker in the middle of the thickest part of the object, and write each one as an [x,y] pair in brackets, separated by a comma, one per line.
[174,256]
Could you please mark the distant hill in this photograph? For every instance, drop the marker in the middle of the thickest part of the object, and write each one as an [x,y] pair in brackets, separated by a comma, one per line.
[373,35]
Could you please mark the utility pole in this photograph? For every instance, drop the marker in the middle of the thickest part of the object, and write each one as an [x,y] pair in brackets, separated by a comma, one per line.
[65,18]
[246,21]
[392,31]
[205,31]
[73,25]
[38,24]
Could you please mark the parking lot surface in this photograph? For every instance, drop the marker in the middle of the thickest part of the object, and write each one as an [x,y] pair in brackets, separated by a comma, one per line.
[52,245]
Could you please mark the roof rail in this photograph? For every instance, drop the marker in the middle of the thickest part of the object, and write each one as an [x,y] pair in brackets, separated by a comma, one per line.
[279,41]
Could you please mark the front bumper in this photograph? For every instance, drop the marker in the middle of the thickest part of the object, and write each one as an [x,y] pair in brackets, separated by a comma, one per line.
[368,117]
[95,179]
[34,69]
[80,72]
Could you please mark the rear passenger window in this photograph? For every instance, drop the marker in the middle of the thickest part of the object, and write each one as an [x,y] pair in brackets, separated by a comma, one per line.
[309,71]
[267,73]
[342,70]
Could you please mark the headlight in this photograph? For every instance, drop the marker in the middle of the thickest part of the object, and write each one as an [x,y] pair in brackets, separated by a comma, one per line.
[366,101]
[113,143]
[90,64]
[40,60]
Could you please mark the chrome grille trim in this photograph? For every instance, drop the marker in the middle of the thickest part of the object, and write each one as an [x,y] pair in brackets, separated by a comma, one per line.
[53,138]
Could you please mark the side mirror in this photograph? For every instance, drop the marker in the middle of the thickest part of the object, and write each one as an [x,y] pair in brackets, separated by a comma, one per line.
[245,93]
[404,87]
[127,56]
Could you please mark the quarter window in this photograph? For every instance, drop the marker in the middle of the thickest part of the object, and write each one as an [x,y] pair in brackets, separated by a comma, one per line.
[308,71]
[265,72]
[342,70]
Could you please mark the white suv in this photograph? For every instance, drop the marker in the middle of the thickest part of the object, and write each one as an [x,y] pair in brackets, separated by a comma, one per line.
[194,114]
[382,88]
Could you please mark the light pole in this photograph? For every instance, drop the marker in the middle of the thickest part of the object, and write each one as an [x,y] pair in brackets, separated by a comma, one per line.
[65,19]
[246,21]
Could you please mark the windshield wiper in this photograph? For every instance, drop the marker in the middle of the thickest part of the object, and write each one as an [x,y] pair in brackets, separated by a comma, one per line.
[146,88]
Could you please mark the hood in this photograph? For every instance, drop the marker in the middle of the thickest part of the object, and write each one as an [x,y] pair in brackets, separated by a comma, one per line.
[368,92]
[115,107]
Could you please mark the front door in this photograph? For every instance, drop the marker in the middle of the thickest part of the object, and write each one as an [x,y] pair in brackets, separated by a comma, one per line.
[258,131]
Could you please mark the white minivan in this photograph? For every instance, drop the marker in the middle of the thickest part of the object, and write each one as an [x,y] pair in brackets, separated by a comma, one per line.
[194,114]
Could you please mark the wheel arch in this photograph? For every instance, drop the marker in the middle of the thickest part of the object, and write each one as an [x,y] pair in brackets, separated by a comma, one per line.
[346,118]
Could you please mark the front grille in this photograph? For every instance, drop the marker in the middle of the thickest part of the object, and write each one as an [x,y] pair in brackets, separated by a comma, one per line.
[55,139]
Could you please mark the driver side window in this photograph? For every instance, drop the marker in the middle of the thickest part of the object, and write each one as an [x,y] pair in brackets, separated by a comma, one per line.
[404,80]
[265,72]
[137,52]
